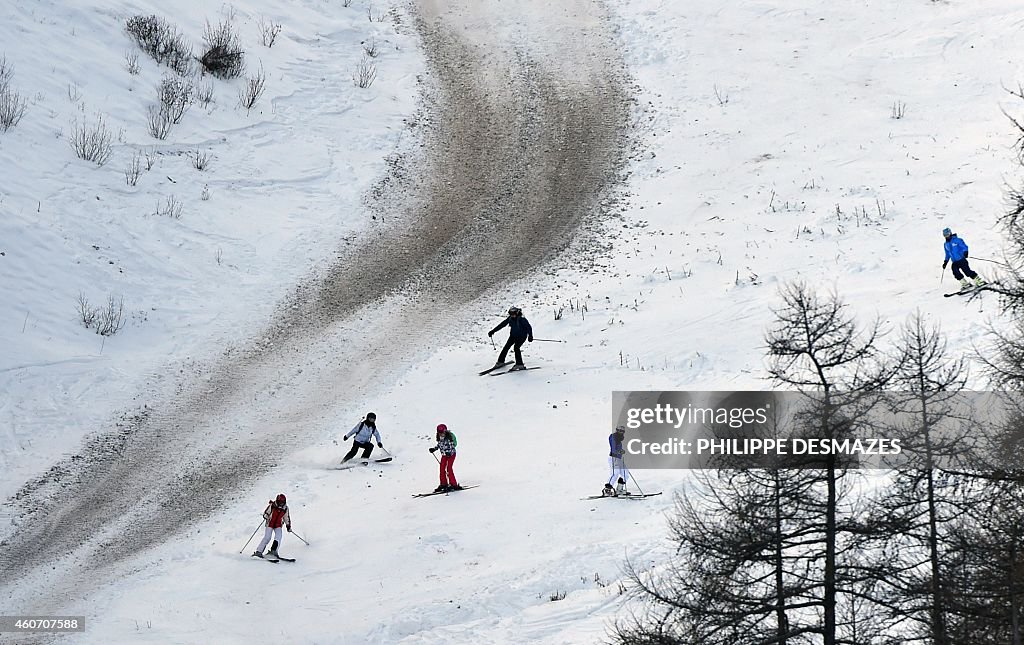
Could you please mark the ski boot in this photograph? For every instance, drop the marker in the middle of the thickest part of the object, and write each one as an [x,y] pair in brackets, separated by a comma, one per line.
[621,489]
[965,284]
[979,282]
[517,367]
[443,488]
[455,487]
[608,491]
[257,554]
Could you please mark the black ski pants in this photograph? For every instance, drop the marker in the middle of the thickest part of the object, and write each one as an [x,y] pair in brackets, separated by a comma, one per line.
[961,265]
[367,447]
[516,343]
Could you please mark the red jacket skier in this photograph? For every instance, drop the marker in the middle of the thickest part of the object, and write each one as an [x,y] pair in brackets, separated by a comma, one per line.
[276,516]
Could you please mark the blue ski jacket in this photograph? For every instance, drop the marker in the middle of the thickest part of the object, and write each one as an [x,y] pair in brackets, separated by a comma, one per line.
[956,249]
[518,327]
[615,444]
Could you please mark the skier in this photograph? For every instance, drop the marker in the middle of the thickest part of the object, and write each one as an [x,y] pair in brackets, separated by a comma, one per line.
[363,431]
[956,250]
[619,472]
[446,443]
[276,515]
[519,332]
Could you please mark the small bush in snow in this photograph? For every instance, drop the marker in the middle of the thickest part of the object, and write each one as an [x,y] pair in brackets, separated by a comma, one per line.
[899,110]
[12,104]
[174,96]
[204,94]
[371,48]
[150,159]
[170,207]
[205,195]
[268,31]
[200,160]
[252,90]
[134,169]
[92,142]
[365,74]
[106,319]
[162,41]
[131,63]
[223,57]
[158,122]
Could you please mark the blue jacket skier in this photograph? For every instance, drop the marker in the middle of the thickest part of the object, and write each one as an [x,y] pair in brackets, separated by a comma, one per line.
[520,331]
[956,250]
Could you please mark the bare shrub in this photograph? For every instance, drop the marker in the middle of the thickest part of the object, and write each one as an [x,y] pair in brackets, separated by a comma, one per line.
[174,96]
[86,312]
[346,3]
[158,122]
[375,17]
[92,142]
[365,74]
[223,57]
[110,317]
[268,31]
[899,110]
[204,94]
[170,207]
[200,160]
[205,195]
[12,104]
[131,63]
[134,169]
[253,89]
[106,319]
[161,40]
[371,48]
[150,159]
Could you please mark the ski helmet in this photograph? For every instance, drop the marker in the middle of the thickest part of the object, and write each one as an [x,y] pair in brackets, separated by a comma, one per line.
[441,428]
[370,416]
[946,232]
[512,311]
[620,429]
[281,499]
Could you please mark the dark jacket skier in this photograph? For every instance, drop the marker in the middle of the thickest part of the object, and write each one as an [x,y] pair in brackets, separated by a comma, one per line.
[520,331]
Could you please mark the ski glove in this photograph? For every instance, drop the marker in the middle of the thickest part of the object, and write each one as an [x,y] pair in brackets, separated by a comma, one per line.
[380,445]
[289,529]
[965,255]
[434,449]
[530,339]
[944,263]
[490,334]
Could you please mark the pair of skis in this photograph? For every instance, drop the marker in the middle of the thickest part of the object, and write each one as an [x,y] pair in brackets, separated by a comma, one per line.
[966,292]
[274,559]
[445,492]
[493,370]
[352,463]
[636,496]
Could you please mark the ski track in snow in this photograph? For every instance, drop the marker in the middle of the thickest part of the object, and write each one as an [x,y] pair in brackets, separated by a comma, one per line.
[524,141]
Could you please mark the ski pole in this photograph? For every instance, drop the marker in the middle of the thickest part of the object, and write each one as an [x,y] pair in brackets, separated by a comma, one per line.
[992,261]
[252,536]
[635,483]
[300,537]
[548,340]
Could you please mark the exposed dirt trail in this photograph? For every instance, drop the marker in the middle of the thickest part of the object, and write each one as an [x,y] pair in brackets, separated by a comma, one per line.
[525,117]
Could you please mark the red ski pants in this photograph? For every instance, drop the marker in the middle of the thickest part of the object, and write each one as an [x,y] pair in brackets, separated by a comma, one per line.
[447,475]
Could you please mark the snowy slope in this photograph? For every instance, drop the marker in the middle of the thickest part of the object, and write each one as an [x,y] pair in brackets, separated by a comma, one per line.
[726,187]
[285,182]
